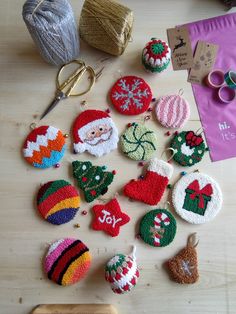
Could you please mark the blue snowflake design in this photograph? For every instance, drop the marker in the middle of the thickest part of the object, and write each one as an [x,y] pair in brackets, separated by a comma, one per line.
[131,94]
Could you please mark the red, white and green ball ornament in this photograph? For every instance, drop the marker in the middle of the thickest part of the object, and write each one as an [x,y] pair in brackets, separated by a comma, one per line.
[156,56]
[122,272]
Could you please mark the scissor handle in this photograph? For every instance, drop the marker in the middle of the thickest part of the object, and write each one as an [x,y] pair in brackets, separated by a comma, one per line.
[76,76]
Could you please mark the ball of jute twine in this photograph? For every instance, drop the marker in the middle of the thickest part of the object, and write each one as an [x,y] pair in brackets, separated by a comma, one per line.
[52,26]
[106,25]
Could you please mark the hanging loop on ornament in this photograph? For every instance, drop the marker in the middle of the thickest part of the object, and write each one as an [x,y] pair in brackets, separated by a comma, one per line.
[166,205]
[33,125]
[174,151]
[146,118]
[200,131]
[192,240]
[133,254]
[181,92]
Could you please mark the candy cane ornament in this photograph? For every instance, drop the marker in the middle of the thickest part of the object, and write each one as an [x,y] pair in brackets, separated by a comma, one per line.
[158,228]
[161,217]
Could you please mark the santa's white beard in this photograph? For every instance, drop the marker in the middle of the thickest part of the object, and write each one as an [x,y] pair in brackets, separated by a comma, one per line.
[100,145]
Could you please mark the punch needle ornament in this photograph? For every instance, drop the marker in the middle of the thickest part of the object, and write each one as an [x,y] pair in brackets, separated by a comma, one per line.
[44,147]
[188,147]
[197,198]
[109,217]
[138,142]
[131,95]
[95,132]
[92,180]
[156,56]
[122,272]
[183,267]
[158,228]
[150,188]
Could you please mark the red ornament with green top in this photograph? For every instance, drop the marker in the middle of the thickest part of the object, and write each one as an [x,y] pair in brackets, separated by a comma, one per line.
[156,56]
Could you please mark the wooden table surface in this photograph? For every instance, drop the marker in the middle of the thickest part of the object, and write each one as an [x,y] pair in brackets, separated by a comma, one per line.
[26,87]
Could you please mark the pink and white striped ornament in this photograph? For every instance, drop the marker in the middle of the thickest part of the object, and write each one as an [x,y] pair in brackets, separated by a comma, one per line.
[159,218]
[172,111]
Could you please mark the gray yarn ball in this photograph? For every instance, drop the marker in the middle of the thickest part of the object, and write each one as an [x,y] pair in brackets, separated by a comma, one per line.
[52,26]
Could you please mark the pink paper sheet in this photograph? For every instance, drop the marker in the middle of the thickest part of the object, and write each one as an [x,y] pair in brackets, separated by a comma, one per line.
[218,119]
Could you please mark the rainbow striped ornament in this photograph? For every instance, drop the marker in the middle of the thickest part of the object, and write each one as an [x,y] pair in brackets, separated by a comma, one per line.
[58,201]
[122,272]
[44,147]
[67,261]
[172,111]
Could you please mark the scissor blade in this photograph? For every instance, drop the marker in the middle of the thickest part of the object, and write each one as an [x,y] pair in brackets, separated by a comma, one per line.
[53,104]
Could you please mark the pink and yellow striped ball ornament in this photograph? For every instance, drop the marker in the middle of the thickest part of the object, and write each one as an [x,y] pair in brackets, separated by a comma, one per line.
[67,261]
[172,111]
[122,272]
[58,201]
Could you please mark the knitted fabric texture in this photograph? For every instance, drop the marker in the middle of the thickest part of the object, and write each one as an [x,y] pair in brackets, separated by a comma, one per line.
[172,111]
[44,147]
[189,148]
[122,273]
[183,267]
[67,261]
[158,228]
[131,95]
[151,188]
[58,202]
[93,180]
[156,56]
[197,198]
[138,142]
[95,132]
[109,218]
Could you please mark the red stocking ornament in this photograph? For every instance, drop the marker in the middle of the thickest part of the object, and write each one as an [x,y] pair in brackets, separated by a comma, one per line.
[150,189]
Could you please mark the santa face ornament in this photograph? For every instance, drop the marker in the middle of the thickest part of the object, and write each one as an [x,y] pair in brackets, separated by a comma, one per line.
[95,132]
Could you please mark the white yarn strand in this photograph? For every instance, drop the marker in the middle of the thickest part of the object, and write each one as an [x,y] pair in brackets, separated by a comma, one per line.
[53,28]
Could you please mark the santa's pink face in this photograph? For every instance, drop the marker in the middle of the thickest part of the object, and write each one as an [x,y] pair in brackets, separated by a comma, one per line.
[98,134]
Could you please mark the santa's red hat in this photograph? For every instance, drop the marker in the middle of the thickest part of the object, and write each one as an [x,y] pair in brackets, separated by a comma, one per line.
[84,122]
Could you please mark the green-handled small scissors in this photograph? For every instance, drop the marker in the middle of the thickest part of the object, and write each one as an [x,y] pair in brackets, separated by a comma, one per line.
[66,88]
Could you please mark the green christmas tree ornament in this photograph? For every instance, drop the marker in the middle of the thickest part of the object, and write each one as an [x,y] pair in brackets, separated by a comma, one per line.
[93,180]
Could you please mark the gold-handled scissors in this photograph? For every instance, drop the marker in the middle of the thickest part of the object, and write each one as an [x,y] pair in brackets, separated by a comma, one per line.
[65,89]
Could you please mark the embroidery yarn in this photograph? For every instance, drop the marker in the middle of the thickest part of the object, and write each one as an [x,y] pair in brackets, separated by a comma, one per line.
[93,180]
[95,132]
[131,95]
[156,56]
[106,25]
[58,201]
[138,142]
[197,198]
[150,189]
[122,272]
[109,218]
[189,148]
[44,147]
[158,228]
[172,111]
[53,28]
[183,267]
[67,261]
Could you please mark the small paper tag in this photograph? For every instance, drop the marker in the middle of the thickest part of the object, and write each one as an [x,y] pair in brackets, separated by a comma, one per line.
[204,60]
[181,51]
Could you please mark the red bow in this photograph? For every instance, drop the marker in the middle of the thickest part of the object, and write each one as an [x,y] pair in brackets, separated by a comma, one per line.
[192,139]
[207,190]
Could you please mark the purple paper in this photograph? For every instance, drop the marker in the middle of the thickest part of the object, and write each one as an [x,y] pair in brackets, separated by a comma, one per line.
[218,119]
